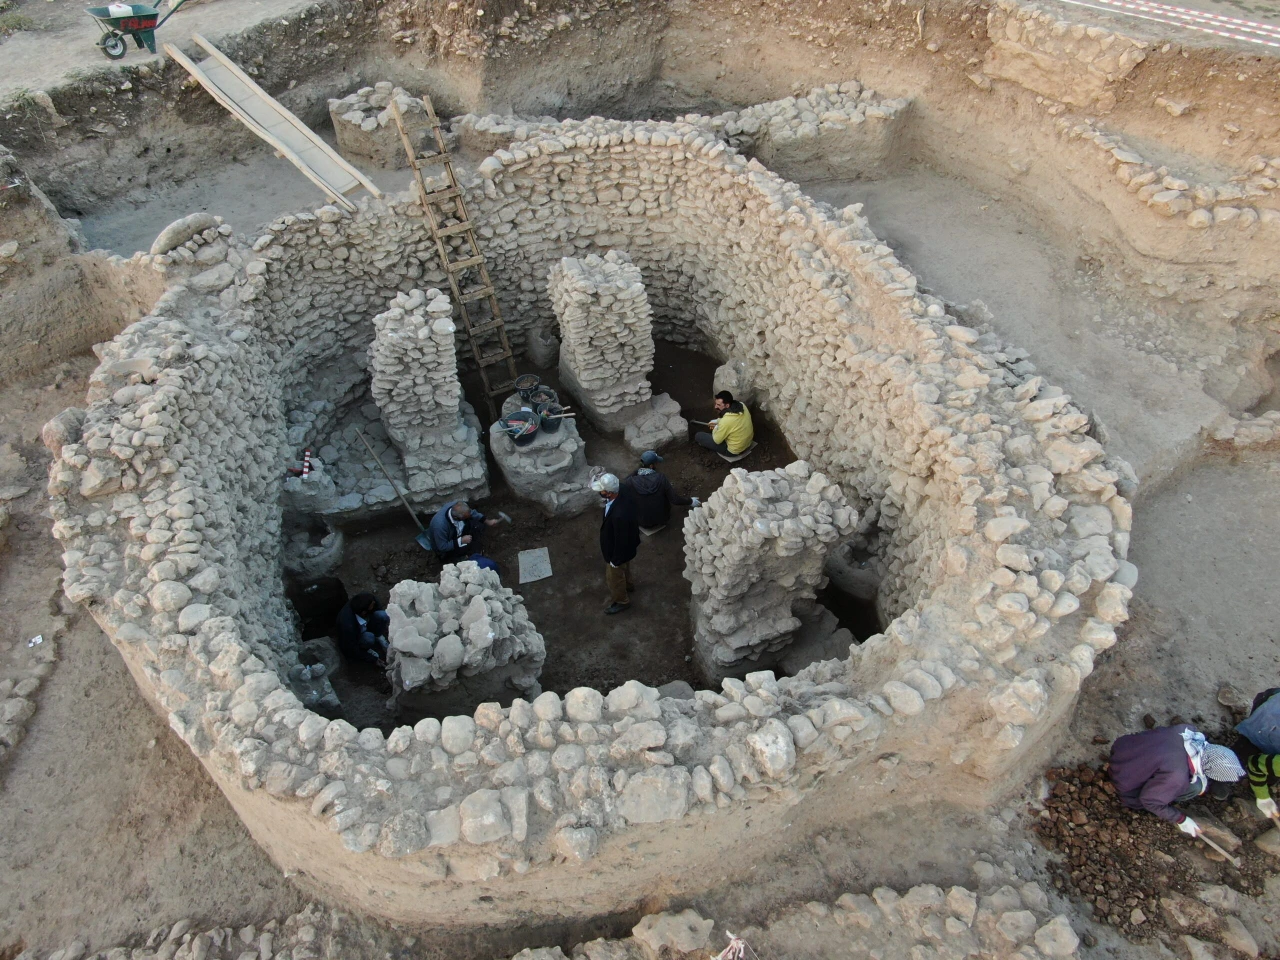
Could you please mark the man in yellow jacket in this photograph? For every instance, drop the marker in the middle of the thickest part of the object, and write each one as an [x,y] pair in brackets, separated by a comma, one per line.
[732,432]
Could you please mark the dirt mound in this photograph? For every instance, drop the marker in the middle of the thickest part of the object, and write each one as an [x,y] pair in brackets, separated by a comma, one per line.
[1137,871]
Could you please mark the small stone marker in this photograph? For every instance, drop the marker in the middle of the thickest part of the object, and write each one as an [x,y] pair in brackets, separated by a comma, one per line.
[534,565]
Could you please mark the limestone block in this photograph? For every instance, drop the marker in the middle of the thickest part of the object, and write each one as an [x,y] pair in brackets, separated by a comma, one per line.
[673,934]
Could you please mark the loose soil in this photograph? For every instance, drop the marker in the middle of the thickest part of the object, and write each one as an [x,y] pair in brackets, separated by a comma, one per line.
[651,641]
[1120,860]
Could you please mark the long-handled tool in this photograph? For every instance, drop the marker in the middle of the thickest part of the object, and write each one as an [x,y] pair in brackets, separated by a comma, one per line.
[1230,859]
[423,539]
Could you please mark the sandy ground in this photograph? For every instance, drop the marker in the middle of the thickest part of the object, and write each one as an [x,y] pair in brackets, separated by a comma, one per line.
[62,43]
[985,249]
[248,194]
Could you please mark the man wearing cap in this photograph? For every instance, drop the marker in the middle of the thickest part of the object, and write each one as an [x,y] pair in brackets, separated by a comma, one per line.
[619,538]
[1157,768]
[654,494]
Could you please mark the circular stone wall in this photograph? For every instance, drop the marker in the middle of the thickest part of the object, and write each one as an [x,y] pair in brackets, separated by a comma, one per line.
[1002,528]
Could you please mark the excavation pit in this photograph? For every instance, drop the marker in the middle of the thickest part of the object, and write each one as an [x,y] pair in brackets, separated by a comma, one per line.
[1000,534]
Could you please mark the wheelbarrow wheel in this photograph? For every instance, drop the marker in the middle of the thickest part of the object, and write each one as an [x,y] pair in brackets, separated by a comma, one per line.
[114,46]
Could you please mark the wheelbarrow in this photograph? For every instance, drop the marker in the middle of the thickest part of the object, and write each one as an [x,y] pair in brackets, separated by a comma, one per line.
[136,19]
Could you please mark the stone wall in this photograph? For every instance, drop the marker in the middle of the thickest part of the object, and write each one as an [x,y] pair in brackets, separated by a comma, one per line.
[757,547]
[55,300]
[1002,528]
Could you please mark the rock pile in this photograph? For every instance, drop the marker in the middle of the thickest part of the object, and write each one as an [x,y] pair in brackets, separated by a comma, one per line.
[1138,872]
[756,547]
[606,334]
[468,626]
[366,129]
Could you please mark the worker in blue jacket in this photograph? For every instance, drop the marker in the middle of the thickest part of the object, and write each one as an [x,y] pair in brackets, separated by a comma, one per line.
[455,531]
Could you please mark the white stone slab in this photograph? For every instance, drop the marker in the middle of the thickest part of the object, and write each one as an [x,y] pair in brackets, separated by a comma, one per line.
[534,565]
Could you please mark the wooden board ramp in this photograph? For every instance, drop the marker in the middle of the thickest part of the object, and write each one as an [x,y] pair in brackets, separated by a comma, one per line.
[263,114]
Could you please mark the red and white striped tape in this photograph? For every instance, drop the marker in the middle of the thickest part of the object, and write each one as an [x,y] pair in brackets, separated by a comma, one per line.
[1232,28]
[306,464]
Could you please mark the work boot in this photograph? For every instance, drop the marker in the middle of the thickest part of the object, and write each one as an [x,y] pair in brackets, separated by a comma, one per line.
[613,608]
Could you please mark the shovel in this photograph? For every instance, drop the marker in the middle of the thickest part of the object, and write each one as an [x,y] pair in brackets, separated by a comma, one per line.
[423,540]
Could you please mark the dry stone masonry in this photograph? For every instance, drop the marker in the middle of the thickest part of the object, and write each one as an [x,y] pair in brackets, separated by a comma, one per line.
[468,631]
[606,334]
[840,130]
[1000,526]
[756,548]
[552,471]
[414,368]
[366,128]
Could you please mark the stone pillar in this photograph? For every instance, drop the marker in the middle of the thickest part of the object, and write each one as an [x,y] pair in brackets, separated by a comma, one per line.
[756,547]
[606,335]
[414,381]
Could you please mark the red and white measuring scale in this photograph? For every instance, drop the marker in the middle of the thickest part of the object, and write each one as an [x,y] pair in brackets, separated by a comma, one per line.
[1232,28]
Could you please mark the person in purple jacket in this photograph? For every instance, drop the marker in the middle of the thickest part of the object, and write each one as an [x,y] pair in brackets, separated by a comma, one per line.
[1157,768]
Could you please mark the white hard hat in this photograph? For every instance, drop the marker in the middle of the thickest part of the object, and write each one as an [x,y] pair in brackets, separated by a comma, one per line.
[605,483]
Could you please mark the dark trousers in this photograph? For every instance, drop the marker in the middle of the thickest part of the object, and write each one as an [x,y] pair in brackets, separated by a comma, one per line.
[703,439]
[373,639]
[618,580]
[473,527]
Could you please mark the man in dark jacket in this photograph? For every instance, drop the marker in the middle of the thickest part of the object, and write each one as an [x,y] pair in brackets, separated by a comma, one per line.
[455,531]
[619,538]
[1157,768]
[654,494]
[362,630]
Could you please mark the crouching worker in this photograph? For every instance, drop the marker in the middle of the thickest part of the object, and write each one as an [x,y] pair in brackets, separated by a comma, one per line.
[654,494]
[455,531]
[732,431]
[1157,768]
[1259,749]
[362,630]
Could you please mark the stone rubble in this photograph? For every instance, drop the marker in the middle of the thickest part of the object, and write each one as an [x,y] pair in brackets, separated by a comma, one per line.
[757,547]
[366,128]
[469,625]
[998,916]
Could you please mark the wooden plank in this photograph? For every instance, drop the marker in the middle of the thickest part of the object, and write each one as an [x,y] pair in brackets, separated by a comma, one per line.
[303,130]
[234,109]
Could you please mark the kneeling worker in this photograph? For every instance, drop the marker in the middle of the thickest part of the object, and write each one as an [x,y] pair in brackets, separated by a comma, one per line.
[655,496]
[455,531]
[732,431]
[1157,768]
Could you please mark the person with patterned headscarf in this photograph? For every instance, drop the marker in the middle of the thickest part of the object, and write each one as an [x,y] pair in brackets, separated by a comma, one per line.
[1157,768]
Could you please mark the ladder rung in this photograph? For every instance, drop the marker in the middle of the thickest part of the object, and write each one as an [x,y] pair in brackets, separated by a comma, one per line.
[504,387]
[479,293]
[462,227]
[482,328]
[432,158]
[466,264]
[436,196]
[493,358]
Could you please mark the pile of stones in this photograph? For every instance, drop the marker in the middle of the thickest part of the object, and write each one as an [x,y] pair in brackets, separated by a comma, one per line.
[467,626]
[755,548]
[365,126]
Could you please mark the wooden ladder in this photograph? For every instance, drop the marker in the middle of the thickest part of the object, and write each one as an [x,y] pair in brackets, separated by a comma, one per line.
[468,275]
